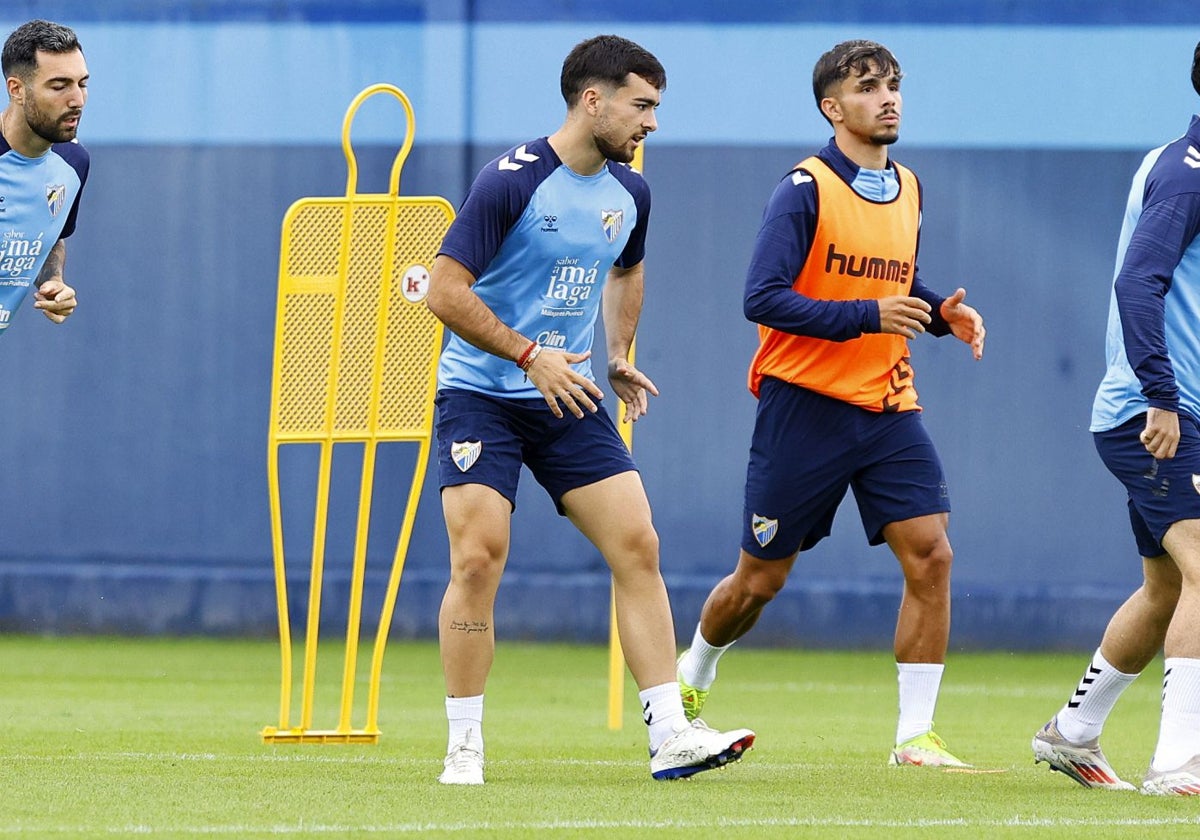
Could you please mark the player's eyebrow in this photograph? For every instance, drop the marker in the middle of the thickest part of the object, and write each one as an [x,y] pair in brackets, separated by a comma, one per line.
[68,79]
[868,78]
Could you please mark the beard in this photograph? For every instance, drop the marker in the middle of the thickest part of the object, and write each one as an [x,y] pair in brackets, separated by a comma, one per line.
[611,151]
[47,127]
[885,139]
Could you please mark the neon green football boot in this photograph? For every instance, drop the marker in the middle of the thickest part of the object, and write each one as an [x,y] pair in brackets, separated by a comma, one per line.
[927,750]
[693,698]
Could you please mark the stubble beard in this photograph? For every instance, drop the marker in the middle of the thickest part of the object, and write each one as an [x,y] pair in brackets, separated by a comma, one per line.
[47,128]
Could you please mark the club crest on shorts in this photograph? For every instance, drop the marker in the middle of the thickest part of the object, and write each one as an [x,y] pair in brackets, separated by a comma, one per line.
[465,454]
[764,529]
[611,221]
[1196,482]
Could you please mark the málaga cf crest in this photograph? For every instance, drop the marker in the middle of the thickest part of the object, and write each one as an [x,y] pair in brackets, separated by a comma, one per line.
[56,196]
[764,529]
[465,454]
[611,221]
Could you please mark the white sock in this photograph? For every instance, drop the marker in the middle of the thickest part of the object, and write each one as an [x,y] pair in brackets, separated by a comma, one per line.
[662,711]
[1083,717]
[465,716]
[919,684]
[698,667]
[1179,732]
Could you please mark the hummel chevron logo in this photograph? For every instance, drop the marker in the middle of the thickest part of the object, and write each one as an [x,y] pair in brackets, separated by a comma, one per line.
[1192,158]
[521,155]
[799,178]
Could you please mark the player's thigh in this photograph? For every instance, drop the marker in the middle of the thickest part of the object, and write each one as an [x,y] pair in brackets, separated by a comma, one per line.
[477,523]
[1182,541]
[614,514]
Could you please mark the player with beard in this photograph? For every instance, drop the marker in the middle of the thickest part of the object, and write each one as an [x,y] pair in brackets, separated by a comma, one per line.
[548,231]
[42,167]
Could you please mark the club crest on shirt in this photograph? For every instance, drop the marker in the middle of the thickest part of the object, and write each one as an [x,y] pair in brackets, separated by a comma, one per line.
[465,454]
[56,196]
[764,529]
[611,221]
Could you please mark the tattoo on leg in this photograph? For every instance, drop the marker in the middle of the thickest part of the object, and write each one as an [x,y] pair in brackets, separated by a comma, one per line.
[469,627]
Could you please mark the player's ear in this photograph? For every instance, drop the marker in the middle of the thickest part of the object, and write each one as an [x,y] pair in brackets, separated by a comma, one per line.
[832,109]
[590,100]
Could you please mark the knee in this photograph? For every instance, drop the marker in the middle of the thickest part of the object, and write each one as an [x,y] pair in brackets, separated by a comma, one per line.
[636,552]
[928,566]
[1163,591]
[477,566]
[759,587]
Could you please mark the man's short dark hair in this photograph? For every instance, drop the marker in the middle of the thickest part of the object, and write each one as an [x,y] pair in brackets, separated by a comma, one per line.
[608,59]
[1196,69]
[851,57]
[20,50]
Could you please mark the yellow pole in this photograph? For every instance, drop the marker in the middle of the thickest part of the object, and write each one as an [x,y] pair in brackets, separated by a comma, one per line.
[616,657]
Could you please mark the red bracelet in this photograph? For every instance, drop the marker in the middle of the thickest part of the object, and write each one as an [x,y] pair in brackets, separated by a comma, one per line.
[524,359]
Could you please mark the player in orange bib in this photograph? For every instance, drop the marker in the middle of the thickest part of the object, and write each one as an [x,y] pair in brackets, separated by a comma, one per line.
[834,288]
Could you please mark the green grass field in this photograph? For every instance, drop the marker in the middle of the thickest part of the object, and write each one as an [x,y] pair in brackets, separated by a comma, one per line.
[118,737]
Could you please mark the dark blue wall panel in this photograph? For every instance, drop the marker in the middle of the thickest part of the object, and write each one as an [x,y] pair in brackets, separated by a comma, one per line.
[133,468]
[136,457]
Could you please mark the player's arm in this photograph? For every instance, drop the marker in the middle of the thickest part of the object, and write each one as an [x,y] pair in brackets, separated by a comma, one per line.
[780,249]
[1164,231]
[54,297]
[622,307]
[452,300]
[950,316]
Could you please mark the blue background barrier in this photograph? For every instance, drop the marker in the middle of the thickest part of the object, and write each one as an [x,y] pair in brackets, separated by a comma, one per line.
[133,468]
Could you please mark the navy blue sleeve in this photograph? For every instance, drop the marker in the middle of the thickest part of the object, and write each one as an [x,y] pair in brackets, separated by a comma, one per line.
[780,250]
[1164,231]
[493,205]
[635,248]
[937,324]
[76,155]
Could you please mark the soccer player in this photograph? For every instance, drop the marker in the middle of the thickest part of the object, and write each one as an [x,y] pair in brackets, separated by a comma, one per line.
[1145,425]
[42,166]
[834,288]
[547,231]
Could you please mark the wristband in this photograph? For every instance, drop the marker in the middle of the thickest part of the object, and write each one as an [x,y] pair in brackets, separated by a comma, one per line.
[534,352]
[523,360]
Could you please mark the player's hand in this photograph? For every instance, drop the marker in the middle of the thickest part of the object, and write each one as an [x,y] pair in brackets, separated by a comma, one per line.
[900,315]
[56,300]
[632,387]
[965,323]
[1161,435]
[552,374]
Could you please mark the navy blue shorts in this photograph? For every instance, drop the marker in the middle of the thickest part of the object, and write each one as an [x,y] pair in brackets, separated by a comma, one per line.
[1161,493]
[483,439]
[808,449]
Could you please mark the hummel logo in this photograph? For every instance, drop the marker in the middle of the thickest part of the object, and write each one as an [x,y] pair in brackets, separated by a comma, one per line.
[647,716]
[799,178]
[521,155]
[1192,158]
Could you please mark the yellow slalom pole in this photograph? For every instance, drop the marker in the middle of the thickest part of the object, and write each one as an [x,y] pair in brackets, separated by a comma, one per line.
[616,657]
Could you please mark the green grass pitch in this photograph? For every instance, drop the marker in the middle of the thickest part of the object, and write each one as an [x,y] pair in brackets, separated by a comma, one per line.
[159,738]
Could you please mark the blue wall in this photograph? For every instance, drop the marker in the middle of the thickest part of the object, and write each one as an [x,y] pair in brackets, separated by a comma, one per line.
[134,467]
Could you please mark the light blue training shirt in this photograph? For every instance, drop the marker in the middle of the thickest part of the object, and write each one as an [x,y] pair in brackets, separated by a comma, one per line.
[540,239]
[39,202]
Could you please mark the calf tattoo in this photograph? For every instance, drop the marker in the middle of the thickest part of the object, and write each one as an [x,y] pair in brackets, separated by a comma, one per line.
[470,627]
